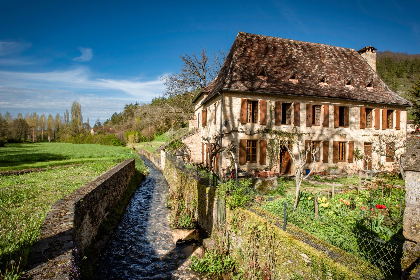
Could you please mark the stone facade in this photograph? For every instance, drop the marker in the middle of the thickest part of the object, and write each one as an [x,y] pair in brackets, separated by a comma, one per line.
[72,223]
[369,54]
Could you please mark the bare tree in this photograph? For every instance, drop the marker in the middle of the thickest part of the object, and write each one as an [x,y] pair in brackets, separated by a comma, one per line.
[50,126]
[42,122]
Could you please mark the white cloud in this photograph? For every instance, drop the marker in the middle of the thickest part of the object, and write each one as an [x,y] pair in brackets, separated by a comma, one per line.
[10,47]
[85,56]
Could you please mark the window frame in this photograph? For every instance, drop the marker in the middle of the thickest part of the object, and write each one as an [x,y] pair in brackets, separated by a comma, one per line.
[252,111]
[342,151]
[316,121]
[389,119]
[314,145]
[251,151]
[369,115]
[286,112]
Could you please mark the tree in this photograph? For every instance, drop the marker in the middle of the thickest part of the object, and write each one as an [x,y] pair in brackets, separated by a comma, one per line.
[415,98]
[76,125]
[3,131]
[19,129]
[42,122]
[50,126]
[197,72]
[33,122]
[57,125]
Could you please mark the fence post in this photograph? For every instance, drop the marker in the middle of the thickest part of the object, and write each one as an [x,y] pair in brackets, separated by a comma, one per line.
[316,207]
[285,216]
[332,193]
[360,182]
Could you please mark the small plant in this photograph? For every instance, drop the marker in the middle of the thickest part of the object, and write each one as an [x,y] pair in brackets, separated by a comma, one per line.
[213,263]
[236,195]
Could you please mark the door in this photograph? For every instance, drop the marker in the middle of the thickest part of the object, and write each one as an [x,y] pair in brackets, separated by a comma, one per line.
[367,160]
[285,161]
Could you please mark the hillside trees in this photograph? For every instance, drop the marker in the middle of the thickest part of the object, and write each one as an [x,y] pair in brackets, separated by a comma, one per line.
[415,98]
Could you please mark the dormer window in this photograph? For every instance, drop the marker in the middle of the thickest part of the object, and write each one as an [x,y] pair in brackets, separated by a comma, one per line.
[323,81]
[293,78]
[349,83]
[370,84]
[262,74]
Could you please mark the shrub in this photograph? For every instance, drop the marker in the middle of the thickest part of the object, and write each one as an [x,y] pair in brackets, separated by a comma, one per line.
[236,195]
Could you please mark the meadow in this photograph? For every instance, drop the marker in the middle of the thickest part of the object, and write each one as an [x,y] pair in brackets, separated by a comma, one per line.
[25,199]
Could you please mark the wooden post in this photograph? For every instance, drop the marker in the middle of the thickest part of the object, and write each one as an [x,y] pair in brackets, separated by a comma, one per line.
[316,207]
[332,193]
[328,196]
[360,182]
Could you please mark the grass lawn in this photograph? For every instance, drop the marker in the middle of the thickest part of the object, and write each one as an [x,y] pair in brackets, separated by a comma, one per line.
[25,199]
[160,140]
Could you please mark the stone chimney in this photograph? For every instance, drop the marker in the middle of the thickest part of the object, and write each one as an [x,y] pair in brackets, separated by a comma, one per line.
[369,54]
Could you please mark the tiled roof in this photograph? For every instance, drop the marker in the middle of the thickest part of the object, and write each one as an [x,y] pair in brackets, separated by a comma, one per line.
[280,59]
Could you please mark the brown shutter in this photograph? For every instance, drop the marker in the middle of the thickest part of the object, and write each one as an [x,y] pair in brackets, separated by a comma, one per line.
[297,114]
[335,151]
[397,119]
[326,116]
[351,150]
[362,117]
[308,157]
[243,110]
[204,116]
[384,119]
[263,112]
[377,118]
[336,116]
[277,113]
[325,152]
[308,115]
[242,151]
[263,153]
[346,116]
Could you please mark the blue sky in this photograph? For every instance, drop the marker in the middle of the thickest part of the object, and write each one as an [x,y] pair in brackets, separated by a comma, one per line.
[105,54]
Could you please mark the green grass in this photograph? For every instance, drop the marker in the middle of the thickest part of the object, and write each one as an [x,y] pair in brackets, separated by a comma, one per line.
[25,199]
[160,140]
[41,155]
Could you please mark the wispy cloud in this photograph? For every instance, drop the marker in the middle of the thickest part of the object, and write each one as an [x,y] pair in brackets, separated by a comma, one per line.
[11,47]
[85,56]
[290,15]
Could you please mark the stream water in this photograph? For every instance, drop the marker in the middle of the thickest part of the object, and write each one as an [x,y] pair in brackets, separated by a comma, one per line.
[142,246]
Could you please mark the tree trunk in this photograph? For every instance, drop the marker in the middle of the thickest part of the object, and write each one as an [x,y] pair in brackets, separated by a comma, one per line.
[298,182]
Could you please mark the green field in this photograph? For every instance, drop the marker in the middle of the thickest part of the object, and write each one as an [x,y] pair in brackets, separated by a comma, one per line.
[25,199]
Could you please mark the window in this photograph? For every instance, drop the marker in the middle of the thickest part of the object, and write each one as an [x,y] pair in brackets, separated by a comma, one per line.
[389,118]
[349,82]
[252,111]
[370,84]
[341,151]
[368,117]
[251,150]
[286,113]
[316,115]
[316,146]
[341,116]
[262,74]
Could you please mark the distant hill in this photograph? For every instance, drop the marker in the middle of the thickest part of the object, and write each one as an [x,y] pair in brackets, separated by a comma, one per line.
[398,70]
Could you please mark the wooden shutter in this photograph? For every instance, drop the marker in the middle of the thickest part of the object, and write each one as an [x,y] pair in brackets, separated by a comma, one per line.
[297,114]
[263,153]
[263,112]
[384,119]
[335,151]
[308,157]
[325,152]
[346,116]
[204,118]
[397,119]
[336,116]
[377,118]
[351,150]
[277,113]
[243,110]
[242,151]
[308,115]
[362,117]
[326,122]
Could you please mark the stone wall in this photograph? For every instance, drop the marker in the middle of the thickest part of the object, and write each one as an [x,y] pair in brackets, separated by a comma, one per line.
[411,258]
[152,157]
[72,224]
[193,142]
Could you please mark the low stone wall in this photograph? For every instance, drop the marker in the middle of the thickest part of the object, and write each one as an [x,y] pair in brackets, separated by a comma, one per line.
[153,158]
[72,224]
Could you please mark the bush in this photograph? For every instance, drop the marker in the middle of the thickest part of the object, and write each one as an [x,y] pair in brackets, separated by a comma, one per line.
[236,195]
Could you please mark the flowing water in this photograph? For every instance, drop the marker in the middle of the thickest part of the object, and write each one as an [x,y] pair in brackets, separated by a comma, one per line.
[142,246]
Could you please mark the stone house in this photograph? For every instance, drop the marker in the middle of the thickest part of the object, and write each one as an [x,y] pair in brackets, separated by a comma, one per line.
[331,94]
